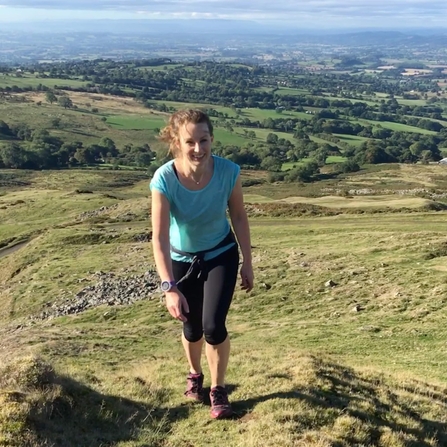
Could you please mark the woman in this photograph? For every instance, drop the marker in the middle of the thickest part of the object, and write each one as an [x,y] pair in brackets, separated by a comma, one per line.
[195,250]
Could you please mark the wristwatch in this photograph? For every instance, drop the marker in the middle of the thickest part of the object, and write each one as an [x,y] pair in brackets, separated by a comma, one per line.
[166,286]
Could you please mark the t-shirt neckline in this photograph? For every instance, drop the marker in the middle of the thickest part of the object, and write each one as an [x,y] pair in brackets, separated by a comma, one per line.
[195,190]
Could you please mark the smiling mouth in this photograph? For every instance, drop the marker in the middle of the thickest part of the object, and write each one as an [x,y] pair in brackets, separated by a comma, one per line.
[197,157]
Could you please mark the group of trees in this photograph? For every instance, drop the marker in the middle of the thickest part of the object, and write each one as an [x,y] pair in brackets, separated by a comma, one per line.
[38,149]
[323,97]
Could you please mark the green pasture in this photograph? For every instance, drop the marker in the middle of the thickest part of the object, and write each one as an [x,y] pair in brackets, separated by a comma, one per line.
[256,114]
[291,91]
[227,137]
[323,141]
[28,80]
[353,140]
[80,124]
[136,122]
[329,160]
[163,67]
[411,102]
[184,105]
[397,126]
[261,134]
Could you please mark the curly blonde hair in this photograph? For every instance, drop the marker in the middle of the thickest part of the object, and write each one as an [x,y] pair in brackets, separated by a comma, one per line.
[170,133]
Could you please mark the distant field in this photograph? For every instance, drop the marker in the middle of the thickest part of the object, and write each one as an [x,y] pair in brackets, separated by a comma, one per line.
[291,91]
[33,81]
[378,201]
[322,141]
[261,114]
[330,160]
[226,137]
[261,134]
[398,127]
[164,67]
[411,102]
[137,122]
[184,105]
[353,140]
[256,198]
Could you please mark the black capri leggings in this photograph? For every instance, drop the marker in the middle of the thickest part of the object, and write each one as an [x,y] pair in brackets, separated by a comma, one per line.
[209,301]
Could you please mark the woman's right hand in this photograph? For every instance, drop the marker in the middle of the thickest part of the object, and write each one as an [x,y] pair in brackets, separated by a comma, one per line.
[177,304]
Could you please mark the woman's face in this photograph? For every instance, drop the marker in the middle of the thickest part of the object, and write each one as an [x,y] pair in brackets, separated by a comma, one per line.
[194,143]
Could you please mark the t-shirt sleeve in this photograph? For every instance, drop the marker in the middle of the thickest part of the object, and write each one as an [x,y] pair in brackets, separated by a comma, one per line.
[235,171]
[158,183]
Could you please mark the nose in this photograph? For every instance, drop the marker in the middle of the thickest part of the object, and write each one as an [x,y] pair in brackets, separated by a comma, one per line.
[197,147]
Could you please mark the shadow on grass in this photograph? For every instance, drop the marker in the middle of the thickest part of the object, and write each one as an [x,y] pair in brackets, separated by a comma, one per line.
[60,411]
[348,392]
[81,416]
[83,133]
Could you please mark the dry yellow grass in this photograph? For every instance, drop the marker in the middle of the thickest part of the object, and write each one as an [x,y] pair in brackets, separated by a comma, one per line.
[377,201]
[117,104]
[297,373]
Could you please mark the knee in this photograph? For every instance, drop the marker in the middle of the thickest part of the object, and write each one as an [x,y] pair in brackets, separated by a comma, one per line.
[192,334]
[215,334]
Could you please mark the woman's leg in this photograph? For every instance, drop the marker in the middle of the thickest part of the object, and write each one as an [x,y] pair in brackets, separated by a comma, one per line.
[193,351]
[218,293]
[192,336]
[217,357]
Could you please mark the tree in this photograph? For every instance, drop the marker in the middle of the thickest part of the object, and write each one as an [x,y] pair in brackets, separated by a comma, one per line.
[56,122]
[270,163]
[65,102]
[272,138]
[110,147]
[13,156]
[50,97]
[83,155]
[4,128]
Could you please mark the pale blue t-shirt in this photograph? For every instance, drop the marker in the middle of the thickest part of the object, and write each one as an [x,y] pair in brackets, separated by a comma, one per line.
[198,219]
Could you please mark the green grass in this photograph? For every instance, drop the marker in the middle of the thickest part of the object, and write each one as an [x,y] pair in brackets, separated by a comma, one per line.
[262,114]
[230,138]
[183,105]
[397,127]
[136,122]
[291,91]
[353,140]
[163,67]
[81,124]
[28,80]
[359,362]
[412,102]
[329,160]
[323,141]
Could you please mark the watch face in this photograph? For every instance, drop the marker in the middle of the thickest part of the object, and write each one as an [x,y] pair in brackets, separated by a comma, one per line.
[167,285]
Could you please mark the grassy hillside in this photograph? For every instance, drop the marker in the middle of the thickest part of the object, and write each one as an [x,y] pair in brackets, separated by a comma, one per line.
[340,343]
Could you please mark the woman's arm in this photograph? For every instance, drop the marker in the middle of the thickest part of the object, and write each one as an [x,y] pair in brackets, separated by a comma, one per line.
[160,235]
[175,301]
[241,227]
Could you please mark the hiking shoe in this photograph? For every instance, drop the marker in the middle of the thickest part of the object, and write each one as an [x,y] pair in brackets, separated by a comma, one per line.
[220,407]
[194,387]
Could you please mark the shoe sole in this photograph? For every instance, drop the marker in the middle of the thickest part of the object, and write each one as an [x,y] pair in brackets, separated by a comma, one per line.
[224,415]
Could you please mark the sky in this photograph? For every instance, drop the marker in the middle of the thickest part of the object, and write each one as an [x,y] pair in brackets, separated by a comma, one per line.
[306,13]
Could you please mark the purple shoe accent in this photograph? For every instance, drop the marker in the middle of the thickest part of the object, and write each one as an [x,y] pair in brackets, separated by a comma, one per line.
[220,407]
[194,387]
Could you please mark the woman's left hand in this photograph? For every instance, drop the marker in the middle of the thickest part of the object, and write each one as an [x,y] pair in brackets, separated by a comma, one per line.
[247,277]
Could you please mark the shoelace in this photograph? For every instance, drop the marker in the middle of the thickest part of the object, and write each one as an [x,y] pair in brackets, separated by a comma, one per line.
[193,384]
[219,397]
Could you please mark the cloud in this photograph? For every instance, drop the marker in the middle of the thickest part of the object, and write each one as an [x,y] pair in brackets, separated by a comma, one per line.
[255,9]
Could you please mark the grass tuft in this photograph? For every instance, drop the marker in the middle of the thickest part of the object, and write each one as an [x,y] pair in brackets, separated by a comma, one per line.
[39,407]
